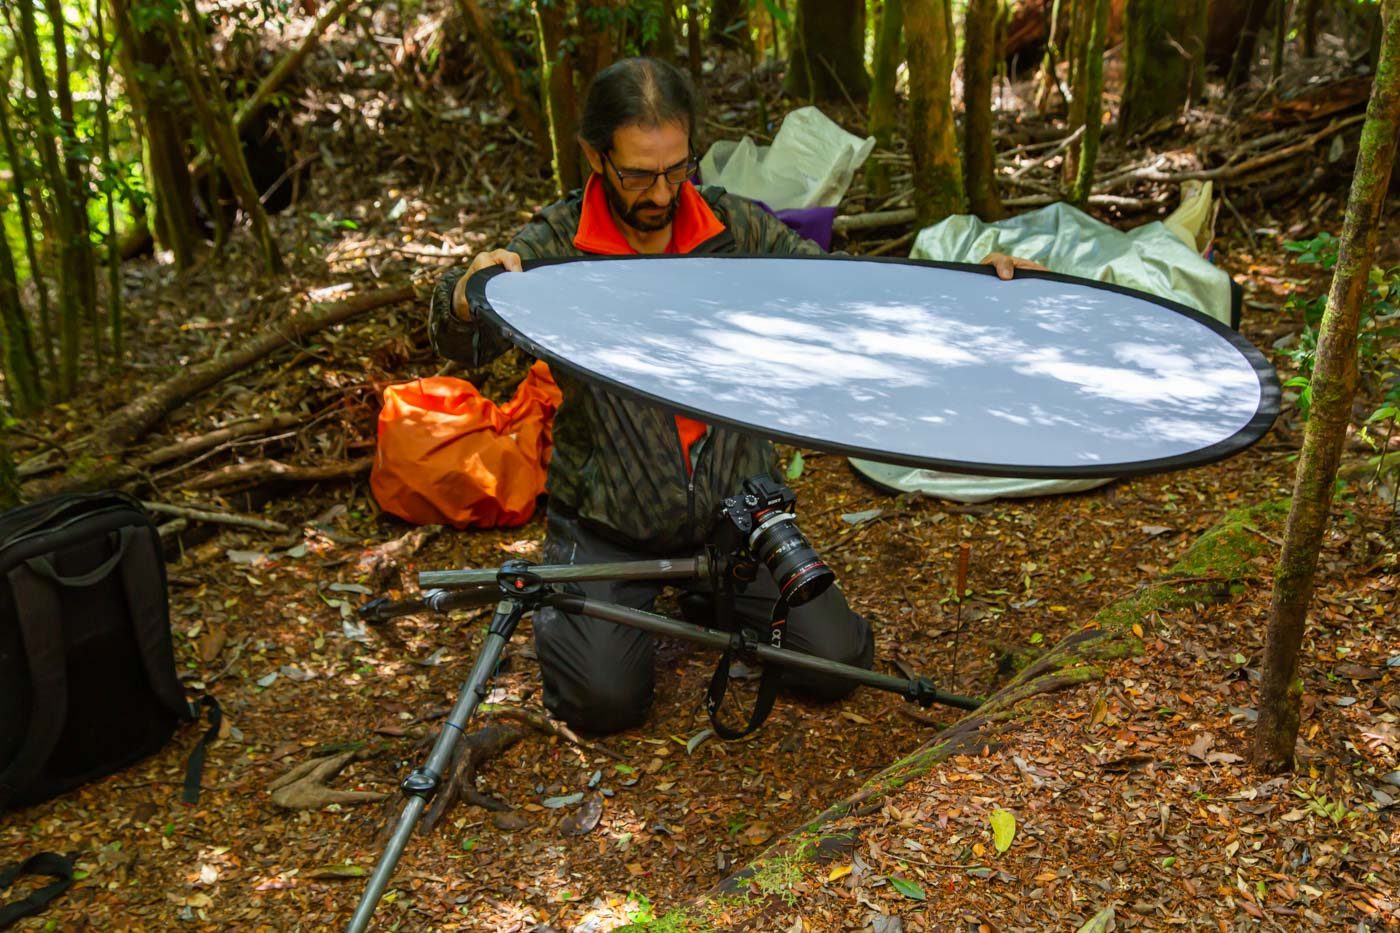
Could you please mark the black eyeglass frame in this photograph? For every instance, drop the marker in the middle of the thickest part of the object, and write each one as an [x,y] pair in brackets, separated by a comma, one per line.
[629,180]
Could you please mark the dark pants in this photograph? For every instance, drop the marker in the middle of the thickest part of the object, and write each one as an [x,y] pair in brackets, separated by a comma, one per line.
[598,675]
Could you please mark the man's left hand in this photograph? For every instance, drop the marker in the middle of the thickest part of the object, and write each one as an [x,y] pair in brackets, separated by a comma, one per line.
[1006,266]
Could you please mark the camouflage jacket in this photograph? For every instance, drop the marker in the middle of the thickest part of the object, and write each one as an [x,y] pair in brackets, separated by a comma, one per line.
[618,463]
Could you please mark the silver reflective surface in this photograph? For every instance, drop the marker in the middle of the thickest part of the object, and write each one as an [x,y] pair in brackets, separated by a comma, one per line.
[912,363]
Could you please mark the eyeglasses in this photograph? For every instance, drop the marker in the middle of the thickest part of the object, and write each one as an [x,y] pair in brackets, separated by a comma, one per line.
[642,181]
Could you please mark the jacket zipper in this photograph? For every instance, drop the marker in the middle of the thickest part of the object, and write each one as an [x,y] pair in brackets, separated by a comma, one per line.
[700,447]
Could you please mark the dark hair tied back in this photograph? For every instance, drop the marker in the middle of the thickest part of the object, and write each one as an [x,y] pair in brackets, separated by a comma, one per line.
[636,91]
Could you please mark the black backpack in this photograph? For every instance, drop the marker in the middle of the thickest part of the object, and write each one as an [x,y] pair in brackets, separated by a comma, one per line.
[87,670]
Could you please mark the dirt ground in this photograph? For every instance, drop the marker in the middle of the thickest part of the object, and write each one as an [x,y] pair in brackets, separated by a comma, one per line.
[1131,794]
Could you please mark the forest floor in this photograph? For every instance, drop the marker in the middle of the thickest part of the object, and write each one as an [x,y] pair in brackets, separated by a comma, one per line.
[1132,794]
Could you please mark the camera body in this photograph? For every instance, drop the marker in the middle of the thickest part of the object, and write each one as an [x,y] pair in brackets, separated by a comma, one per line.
[757,524]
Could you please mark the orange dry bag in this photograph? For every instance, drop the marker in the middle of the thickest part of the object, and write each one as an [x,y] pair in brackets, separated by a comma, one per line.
[449,456]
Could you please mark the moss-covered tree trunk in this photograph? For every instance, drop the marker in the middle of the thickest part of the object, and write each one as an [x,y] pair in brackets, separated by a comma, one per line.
[114,259]
[1333,386]
[18,183]
[1092,92]
[933,137]
[65,208]
[827,62]
[1165,59]
[1205,574]
[557,89]
[693,50]
[1245,50]
[503,67]
[882,97]
[80,260]
[21,367]
[1081,15]
[980,58]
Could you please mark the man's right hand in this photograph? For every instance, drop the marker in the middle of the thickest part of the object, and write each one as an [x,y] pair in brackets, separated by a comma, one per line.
[495,257]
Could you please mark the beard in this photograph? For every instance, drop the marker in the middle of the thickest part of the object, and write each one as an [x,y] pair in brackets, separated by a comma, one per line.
[633,217]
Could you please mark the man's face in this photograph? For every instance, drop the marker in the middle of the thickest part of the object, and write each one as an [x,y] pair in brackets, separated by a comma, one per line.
[638,149]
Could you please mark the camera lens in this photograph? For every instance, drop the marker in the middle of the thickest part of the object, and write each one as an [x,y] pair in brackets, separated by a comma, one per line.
[800,574]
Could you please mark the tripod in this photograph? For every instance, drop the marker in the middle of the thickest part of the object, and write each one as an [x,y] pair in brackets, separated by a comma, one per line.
[518,587]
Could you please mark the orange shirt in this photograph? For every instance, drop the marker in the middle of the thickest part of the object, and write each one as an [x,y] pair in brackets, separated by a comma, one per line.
[694,223]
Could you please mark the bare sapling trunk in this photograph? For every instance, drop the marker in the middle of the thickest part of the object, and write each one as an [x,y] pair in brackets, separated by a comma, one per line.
[1048,81]
[82,262]
[980,56]
[114,269]
[479,25]
[70,298]
[933,138]
[191,56]
[1333,386]
[1093,108]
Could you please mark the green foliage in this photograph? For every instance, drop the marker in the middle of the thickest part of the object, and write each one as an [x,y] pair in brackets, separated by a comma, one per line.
[1378,356]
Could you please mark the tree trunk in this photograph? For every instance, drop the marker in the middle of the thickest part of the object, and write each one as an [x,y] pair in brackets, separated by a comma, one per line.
[144,56]
[479,25]
[664,47]
[1307,27]
[1333,386]
[557,87]
[933,138]
[1081,34]
[1165,59]
[1243,61]
[828,51]
[21,367]
[1049,80]
[64,208]
[692,39]
[36,272]
[729,23]
[598,36]
[980,59]
[79,252]
[1280,31]
[882,99]
[114,259]
[186,42]
[1093,108]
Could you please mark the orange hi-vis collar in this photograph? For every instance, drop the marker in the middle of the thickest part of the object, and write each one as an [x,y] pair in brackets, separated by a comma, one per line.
[694,223]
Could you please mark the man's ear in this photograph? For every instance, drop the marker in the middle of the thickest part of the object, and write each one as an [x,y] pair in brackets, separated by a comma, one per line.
[595,160]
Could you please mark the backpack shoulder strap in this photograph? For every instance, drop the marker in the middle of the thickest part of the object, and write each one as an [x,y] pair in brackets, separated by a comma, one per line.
[45,863]
[38,611]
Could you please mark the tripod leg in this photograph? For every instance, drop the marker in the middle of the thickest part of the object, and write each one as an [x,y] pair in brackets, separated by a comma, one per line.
[422,784]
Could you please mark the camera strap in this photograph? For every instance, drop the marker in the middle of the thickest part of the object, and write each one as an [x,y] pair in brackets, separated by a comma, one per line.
[742,643]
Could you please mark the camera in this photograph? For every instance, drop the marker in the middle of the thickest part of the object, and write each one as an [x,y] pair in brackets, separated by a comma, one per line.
[762,516]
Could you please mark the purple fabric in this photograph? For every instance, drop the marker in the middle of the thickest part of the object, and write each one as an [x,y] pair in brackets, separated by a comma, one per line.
[814,223]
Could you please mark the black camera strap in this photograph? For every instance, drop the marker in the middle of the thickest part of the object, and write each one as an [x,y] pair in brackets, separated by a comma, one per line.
[742,643]
[45,863]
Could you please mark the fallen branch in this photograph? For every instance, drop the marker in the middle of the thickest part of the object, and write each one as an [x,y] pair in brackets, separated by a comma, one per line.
[217,518]
[202,442]
[473,750]
[255,472]
[131,422]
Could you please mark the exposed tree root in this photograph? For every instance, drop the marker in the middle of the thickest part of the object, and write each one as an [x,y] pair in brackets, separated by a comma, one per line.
[1220,555]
